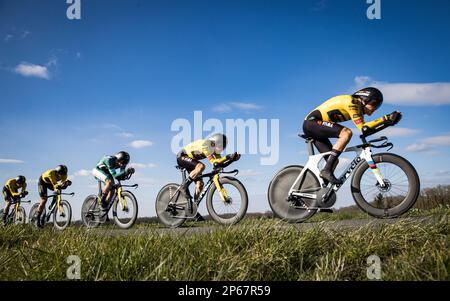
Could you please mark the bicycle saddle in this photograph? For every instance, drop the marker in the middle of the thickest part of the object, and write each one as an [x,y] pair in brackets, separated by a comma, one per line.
[307,138]
[180,168]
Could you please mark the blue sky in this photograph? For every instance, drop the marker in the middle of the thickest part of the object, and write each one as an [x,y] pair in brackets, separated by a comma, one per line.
[74,90]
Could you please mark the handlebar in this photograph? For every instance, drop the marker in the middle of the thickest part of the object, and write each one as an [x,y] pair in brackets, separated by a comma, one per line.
[135,186]
[60,193]
[219,170]
[125,178]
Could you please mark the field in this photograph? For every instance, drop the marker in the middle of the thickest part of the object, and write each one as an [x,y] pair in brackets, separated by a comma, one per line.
[412,248]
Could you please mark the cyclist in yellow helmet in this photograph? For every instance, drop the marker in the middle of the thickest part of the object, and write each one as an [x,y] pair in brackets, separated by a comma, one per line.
[323,123]
[11,192]
[52,179]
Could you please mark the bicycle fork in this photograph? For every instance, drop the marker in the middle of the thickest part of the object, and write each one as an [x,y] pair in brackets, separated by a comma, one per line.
[221,189]
[367,155]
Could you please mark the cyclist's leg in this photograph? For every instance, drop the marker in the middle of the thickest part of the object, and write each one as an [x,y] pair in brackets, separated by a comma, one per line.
[194,167]
[8,198]
[42,187]
[321,131]
[107,179]
[198,187]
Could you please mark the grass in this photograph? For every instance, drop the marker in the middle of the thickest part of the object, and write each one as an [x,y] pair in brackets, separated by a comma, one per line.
[257,249]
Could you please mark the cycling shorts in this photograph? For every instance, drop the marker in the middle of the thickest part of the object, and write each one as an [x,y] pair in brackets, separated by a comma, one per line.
[7,194]
[185,161]
[43,187]
[102,175]
[321,131]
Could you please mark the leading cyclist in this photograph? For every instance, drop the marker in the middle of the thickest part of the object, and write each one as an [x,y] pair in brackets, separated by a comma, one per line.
[323,123]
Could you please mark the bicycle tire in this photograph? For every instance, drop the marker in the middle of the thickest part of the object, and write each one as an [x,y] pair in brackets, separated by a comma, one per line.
[90,212]
[162,201]
[243,207]
[130,197]
[68,212]
[33,212]
[278,190]
[403,206]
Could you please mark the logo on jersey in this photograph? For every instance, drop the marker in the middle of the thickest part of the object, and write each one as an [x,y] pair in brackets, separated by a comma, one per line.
[328,124]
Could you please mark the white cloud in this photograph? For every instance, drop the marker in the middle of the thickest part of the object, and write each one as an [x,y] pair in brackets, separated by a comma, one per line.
[418,147]
[228,107]
[83,173]
[443,140]
[409,94]
[245,106]
[78,55]
[398,132]
[222,108]
[141,143]
[25,34]
[320,5]
[125,135]
[11,161]
[32,70]
[429,144]
[53,61]
[249,173]
[111,126]
[7,38]
[143,165]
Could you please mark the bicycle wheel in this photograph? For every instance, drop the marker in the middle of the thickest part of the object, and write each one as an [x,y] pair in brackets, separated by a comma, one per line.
[1,215]
[20,217]
[231,211]
[33,213]
[62,216]
[170,208]
[402,186]
[90,212]
[292,209]
[125,212]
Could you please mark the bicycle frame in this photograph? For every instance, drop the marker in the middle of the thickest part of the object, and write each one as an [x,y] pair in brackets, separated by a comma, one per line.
[214,177]
[363,152]
[16,204]
[118,189]
[56,203]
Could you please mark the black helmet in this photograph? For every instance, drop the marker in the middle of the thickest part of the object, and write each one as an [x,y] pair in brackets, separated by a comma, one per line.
[371,96]
[20,180]
[219,141]
[123,157]
[61,170]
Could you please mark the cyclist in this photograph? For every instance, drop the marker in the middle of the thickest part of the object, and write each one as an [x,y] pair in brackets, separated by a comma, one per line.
[105,171]
[323,123]
[11,192]
[189,158]
[52,179]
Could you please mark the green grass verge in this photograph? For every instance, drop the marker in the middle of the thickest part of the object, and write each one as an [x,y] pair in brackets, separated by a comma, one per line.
[260,249]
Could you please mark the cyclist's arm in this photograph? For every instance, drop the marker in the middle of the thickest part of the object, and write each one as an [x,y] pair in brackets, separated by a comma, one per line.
[14,190]
[376,122]
[118,175]
[216,159]
[357,115]
[57,184]
[24,187]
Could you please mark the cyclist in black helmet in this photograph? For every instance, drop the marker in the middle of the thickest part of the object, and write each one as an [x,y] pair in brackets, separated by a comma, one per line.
[106,172]
[11,191]
[323,123]
[52,179]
